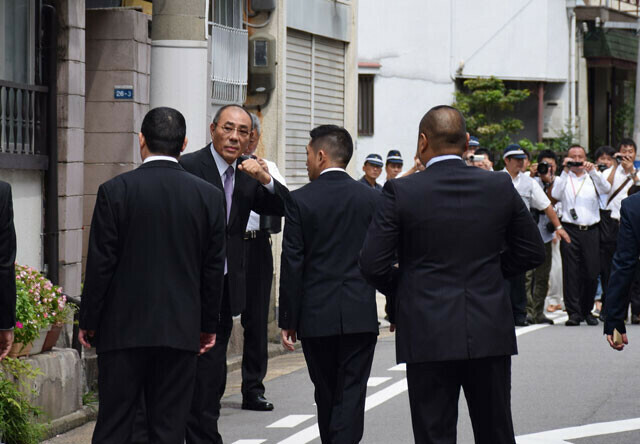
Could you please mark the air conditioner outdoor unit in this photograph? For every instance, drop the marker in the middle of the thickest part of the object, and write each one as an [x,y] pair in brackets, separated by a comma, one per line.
[553,119]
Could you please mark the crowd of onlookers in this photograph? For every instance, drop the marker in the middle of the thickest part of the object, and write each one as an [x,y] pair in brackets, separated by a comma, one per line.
[575,198]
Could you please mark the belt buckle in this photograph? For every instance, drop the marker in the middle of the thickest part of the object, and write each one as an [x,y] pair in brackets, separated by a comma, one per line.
[583,227]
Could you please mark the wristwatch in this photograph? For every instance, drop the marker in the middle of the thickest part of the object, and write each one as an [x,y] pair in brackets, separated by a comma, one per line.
[559,227]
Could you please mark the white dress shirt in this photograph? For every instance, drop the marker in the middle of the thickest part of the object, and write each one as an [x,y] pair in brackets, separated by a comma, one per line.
[532,194]
[152,158]
[442,158]
[579,193]
[618,180]
[254,218]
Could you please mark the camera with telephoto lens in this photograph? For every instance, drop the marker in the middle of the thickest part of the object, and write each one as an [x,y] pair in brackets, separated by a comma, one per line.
[572,163]
[543,168]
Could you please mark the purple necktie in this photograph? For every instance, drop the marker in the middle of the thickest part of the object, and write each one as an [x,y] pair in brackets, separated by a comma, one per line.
[228,189]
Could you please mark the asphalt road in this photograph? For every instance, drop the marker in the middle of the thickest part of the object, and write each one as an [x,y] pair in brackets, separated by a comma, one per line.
[568,387]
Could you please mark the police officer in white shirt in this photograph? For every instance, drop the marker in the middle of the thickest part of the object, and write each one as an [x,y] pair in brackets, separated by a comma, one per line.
[621,174]
[259,261]
[579,188]
[533,197]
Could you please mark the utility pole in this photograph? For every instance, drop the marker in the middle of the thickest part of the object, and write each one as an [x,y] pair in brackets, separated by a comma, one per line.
[179,63]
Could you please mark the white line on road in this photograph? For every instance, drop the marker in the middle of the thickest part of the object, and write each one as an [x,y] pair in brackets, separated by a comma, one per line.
[250,441]
[375,381]
[560,436]
[289,422]
[399,368]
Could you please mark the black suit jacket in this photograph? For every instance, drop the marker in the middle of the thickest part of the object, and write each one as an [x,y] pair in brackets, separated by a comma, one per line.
[458,231]
[322,292]
[156,260]
[248,195]
[623,267]
[7,259]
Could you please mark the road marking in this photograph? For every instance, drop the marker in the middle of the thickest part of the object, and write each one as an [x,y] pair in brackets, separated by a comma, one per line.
[559,436]
[524,330]
[250,441]
[312,432]
[375,381]
[289,422]
[399,368]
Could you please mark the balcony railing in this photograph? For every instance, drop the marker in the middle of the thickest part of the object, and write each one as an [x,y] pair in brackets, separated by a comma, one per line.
[23,126]
[628,6]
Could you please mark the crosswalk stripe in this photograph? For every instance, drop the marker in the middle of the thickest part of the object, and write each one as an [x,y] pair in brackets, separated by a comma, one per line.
[375,381]
[289,422]
[250,441]
[399,368]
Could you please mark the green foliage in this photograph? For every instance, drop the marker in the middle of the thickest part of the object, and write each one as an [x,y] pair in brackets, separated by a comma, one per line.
[624,117]
[90,397]
[39,304]
[564,139]
[484,103]
[17,415]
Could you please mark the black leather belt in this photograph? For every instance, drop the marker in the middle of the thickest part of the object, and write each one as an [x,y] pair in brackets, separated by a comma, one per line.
[582,227]
[254,234]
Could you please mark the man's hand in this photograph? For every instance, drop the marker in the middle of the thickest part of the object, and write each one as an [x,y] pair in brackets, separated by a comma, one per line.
[253,168]
[6,341]
[288,339]
[84,337]
[207,341]
[627,164]
[561,234]
[565,161]
[263,164]
[533,169]
[620,347]
[588,167]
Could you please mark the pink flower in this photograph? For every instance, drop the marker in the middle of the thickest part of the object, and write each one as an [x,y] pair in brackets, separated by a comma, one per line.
[19,324]
[45,315]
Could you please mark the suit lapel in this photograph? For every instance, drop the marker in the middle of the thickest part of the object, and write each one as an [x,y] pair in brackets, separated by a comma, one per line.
[210,171]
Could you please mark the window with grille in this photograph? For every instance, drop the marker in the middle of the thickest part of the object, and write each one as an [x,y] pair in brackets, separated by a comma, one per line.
[365,105]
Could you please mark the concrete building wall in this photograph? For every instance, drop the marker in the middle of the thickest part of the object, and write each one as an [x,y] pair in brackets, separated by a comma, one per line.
[71,122]
[118,54]
[26,189]
[423,47]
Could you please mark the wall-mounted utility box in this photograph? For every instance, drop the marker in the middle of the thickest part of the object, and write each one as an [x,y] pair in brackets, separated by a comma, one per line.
[263,5]
[262,63]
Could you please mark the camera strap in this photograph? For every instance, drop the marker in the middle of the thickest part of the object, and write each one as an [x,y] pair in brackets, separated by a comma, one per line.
[575,195]
[615,193]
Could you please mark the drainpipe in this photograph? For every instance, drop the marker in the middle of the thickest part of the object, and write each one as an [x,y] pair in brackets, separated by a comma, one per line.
[572,71]
[636,120]
[540,110]
[51,175]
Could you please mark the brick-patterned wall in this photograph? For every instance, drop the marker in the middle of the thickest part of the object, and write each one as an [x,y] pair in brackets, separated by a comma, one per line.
[71,104]
[118,53]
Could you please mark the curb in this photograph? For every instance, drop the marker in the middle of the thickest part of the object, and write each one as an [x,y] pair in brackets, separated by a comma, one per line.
[71,421]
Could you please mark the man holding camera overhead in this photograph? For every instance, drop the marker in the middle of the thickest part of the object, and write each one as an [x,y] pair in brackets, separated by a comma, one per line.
[579,188]
[533,197]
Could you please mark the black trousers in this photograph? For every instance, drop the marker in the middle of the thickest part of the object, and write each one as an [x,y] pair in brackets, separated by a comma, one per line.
[434,390]
[516,288]
[210,382]
[580,268]
[608,242]
[255,317]
[164,376]
[339,367]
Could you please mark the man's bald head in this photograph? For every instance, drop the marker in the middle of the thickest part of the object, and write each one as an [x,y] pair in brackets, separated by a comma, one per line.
[445,129]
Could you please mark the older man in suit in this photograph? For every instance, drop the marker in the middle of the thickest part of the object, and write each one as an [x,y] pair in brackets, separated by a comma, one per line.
[153,285]
[247,186]
[456,243]
[7,270]
[324,300]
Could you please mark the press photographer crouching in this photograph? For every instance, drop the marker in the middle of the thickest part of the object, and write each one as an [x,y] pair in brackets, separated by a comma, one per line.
[537,281]
[621,175]
[535,198]
[579,188]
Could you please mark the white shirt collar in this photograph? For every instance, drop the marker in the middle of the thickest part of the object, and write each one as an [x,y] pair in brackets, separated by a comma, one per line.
[221,163]
[332,169]
[152,158]
[443,158]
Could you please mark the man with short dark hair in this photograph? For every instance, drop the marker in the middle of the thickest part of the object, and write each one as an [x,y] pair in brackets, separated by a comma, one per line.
[324,300]
[579,188]
[453,318]
[393,165]
[247,186]
[372,168]
[152,291]
[7,270]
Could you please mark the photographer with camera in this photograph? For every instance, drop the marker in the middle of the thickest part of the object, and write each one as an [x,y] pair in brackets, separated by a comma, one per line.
[579,188]
[537,281]
[482,158]
[621,174]
[534,197]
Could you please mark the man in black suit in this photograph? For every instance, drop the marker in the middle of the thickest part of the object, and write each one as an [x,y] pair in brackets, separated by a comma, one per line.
[247,186]
[324,300]
[7,270]
[153,285]
[456,243]
[623,270]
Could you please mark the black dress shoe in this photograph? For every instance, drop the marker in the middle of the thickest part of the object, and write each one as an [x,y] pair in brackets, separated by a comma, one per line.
[591,320]
[258,403]
[544,320]
[521,322]
[573,321]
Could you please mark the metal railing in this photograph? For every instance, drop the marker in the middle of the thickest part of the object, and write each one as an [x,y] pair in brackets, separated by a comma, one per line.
[23,124]
[629,6]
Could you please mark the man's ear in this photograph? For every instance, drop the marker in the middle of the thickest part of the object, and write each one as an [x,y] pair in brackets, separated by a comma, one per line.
[466,145]
[141,140]
[212,127]
[184,145]
[423,145]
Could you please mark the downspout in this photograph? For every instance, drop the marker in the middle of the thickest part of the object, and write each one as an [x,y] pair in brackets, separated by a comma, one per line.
[572,72]
[540,110]
[51,175]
